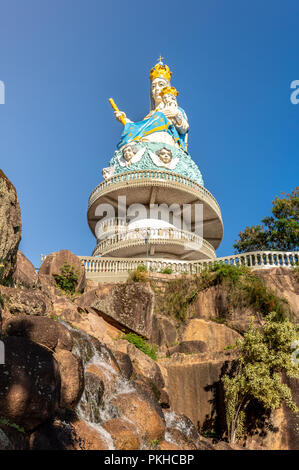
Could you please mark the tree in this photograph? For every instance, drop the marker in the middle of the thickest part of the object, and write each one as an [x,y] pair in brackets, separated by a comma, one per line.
[279,232]
[264,356]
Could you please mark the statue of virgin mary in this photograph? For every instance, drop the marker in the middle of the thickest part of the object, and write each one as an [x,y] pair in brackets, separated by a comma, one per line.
[166,122]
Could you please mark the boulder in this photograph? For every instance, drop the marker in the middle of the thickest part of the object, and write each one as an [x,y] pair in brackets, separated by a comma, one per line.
[10,226]
[55,261]
[90,437]
[29,383]
[92,398]
[26,301]
[46,285]
[142,413]
[127,306]
[90,349]
[180,439]
[181,430]
[123,433]
[41,330]
[107,375]
[65,435]
[72,378]
[65,309]
[125,364]
[146,366]
[146,388]
[164,331]
[216,336]
[24,274]
[89,322]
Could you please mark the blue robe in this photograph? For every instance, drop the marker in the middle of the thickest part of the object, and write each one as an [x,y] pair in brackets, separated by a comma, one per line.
[134,131]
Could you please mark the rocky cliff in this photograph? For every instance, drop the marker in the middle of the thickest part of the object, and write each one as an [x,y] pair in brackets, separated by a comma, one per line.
[74,379]
[10,226]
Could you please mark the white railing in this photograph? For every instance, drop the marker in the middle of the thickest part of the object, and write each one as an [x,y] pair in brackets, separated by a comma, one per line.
[127,237]
[141,176]
[255,259]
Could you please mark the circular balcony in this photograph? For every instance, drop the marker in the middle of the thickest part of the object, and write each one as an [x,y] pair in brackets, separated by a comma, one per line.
[171,243]
[155,187]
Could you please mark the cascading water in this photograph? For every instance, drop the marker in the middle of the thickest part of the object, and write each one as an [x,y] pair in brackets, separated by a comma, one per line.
[181,423]
[95,405]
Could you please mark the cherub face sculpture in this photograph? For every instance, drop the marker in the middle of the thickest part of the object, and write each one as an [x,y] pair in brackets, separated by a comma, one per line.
[165,155]
[156,87]
[128,153]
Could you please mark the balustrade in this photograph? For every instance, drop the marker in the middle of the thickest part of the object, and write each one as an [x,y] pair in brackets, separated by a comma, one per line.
[258,259]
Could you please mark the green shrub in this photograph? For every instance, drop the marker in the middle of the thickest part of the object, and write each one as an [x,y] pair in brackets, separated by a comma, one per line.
[264,355]
[154,443]
[166,271]
[244,290]
[140,274]
[141,268]
[228,272]
[140,343]
[67,279]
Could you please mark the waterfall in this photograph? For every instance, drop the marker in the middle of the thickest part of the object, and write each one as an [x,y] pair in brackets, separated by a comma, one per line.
[95,405]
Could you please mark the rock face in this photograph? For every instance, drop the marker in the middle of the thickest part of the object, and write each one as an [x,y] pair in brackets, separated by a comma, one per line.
[29,383]
[146,366]
[10,225]
[280,430]
[26,301]
[72,378]
[123,433]
[43,331]
[195,388]
[213,302]
[55,261]
[181,431]
[284,283]
[24,274]
[142,413]
[163,331]
[127,306]
[74,435]
[215,335]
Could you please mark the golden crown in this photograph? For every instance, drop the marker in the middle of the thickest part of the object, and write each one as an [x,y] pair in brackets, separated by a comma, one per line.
[169,90]
[160,71]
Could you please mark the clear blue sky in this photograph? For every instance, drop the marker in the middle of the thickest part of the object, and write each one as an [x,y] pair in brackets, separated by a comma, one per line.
[232,61]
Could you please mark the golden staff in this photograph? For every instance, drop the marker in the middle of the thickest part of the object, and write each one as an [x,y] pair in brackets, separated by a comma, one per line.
[111,101]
